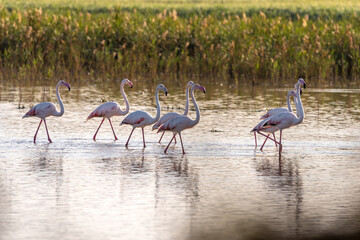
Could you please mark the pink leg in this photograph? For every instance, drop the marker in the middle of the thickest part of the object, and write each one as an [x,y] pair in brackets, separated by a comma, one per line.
[129,137]
[181,143]
[161,136]
[143,137]
[113,129]
[265,142]
[280,148]
[268,137]
[94,138]
[255,140]
[275,139]
[175,138]
[169,143]
[37,131]
[47,131]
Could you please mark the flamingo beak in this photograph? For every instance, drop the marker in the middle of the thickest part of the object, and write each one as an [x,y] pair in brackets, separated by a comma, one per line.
[165,93]
[304,85]
[67,85]
[131,84]
[300,91]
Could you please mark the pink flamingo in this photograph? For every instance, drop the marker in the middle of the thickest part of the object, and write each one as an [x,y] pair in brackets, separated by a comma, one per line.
[277,111]
[142,118]
[172,115]
[46,109]
[282,120]
[110,109]
[180,123]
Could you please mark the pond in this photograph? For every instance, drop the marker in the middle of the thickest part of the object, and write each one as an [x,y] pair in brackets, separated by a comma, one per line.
[222,188]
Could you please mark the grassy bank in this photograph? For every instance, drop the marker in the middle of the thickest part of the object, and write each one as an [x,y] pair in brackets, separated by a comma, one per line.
[249,45]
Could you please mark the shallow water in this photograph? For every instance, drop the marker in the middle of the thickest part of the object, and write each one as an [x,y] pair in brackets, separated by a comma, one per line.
[221,188]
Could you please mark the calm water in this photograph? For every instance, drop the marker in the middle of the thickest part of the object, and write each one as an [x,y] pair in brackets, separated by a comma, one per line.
[222,188]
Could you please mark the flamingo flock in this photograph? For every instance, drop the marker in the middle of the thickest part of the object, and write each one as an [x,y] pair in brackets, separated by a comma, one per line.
[274,120]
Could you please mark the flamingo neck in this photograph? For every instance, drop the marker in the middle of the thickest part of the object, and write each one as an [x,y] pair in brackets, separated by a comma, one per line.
[127,108]
[197,119]
[288,102]
[157,106]
[187,101]
[62,110]
[299,107]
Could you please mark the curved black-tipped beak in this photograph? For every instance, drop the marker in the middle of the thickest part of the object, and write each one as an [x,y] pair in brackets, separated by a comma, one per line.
[300,91]
[69,87]
[304,85]
[204,91]
[165,93]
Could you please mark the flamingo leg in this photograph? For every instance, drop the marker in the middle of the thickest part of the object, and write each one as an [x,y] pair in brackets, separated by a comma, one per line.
[255,140]
[169,143]
[265,142]
[181,143]
[143,137]
[275,140]
[37,131]
[175,138]
[161,136]
[113,129]
[129,137]
[268,137]
[280,148]
[47,131]
[94,138]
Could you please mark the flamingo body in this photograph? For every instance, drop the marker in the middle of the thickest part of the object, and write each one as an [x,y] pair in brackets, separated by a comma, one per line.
[42,110]
[138,119]
[110,109]
[47,109]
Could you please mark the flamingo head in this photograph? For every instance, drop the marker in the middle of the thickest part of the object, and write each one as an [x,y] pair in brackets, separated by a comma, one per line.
[199,87]
[292,93]
[127,81]
[302,82]
[62,82]
[190,84]
[163,88]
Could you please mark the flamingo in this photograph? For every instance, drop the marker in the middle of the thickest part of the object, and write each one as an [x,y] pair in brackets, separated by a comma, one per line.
[110,109]
[277,111]
[172,115]
[180,123]
[142,118]
[46,109]
[282,120]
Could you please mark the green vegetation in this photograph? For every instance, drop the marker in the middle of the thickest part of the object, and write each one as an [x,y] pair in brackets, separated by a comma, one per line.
[93,39]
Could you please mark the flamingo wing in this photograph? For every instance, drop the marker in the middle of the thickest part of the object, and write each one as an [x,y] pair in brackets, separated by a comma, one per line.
[137,118]
[177,124]
[106,110]
[273,112]
[41,110]
[165,118]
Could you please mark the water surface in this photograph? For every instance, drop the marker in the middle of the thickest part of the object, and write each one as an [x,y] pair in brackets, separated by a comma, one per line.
[221,188]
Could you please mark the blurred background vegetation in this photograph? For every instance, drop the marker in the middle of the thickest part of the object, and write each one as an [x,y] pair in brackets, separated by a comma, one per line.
[241,41]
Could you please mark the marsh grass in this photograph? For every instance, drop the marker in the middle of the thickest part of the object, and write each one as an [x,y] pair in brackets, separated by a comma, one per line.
[214,43]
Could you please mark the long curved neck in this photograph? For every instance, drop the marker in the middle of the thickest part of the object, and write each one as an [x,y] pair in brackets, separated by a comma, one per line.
[157,107]
[299,106]
[288,102]
[187,101]
[60,101]
[127,108]
[197,119]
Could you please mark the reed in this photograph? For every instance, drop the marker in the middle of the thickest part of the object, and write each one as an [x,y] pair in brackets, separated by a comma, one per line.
[213,43]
